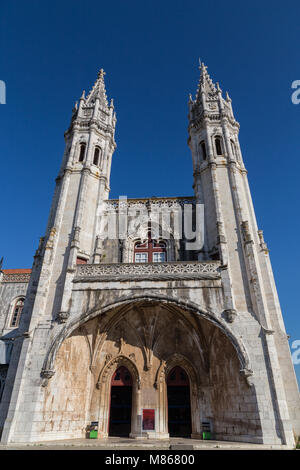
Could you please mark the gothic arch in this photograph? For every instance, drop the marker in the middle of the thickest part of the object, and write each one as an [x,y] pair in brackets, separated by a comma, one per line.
[195,391]
[110,367]
[104,388]
[174,360]
[80,319]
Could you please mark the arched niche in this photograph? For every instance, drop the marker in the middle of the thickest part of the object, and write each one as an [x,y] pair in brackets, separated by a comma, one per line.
[101,401]
[178,360]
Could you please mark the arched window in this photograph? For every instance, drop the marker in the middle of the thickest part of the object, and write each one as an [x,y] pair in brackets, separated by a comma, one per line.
[218,145]
[203,149]
[17,312]
[150,252]
[96,160]
[81,152]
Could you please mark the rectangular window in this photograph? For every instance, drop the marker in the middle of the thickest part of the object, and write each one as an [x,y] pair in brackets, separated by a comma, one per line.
[159,257]
[141,258]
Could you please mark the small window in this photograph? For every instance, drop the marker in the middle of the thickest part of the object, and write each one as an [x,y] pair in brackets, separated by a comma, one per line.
[203,149]
[81,153]
[141,257]
[96,156]
[218,146]
[159,257]
[151,251]
[17,312]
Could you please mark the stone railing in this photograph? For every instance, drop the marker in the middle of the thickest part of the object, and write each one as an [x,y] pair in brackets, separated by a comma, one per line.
[148,271]
[152,203]
[18,277]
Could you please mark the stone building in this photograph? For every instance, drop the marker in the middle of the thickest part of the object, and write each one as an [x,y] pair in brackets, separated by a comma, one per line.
[133,323]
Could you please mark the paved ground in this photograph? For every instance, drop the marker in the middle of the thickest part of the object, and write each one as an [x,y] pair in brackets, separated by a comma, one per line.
[115,443]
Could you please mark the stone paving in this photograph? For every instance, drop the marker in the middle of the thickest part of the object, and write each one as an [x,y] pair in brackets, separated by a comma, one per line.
[115,443]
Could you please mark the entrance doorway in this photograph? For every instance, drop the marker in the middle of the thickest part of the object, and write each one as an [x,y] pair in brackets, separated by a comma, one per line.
[120,403]
[179,403]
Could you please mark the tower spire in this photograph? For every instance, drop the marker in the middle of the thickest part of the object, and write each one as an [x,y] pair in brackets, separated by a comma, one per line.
[98,91]
[209,101]
[205,82]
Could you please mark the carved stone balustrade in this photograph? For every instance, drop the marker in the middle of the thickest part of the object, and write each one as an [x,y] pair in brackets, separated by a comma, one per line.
[148,271]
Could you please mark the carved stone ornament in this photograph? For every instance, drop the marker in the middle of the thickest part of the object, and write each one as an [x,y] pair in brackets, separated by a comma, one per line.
[246,232]
[230,315]
[263,244]
[132,357]
[22,278]
[169,270]
[221,235]
[46,375]
[247,374]
[62,317]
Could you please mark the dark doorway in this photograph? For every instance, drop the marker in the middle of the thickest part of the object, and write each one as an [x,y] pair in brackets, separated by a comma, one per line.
[120,403]
[179,403]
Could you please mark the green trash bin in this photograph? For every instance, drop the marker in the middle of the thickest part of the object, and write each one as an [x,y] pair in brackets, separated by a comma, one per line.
[206,435]
[93,430]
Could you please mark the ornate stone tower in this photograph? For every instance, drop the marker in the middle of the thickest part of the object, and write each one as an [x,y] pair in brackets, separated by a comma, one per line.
[81,186]
[232,235]
[70,239]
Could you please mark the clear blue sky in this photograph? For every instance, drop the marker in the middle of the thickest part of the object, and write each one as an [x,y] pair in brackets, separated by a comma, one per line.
[52,50]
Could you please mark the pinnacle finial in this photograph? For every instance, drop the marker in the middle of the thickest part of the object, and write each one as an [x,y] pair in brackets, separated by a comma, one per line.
[228,97]
[101,74]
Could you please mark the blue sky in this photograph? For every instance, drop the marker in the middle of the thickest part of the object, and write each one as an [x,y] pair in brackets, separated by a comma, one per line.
[52,50]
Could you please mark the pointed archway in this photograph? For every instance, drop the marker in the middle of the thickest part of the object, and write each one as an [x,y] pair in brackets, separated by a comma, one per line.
[120,403]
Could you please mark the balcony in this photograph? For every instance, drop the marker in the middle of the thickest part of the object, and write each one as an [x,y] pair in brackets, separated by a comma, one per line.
[148,271]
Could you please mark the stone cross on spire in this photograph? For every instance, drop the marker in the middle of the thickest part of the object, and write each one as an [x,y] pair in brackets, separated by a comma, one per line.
[101,74]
